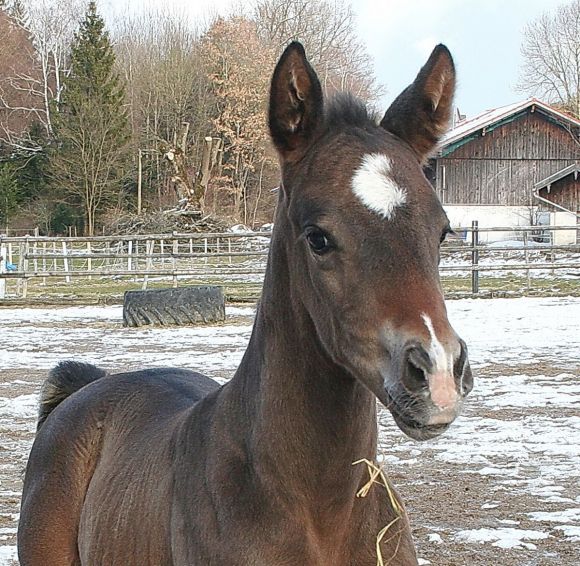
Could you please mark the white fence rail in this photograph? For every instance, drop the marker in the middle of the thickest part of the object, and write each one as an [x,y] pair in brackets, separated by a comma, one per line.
[229,258]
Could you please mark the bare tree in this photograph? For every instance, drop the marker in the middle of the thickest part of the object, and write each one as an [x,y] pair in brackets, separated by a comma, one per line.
[238,64]
[51,24]
[551,57]
[158,54]
[327,28]
[17,105]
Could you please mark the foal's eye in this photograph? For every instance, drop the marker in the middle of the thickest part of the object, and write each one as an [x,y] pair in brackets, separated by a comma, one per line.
[317,240]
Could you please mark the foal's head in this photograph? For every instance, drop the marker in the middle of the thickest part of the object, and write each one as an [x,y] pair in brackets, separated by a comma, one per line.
[362,228]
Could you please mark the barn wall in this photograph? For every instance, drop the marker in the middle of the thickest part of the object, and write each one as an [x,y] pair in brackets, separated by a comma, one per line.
[565,192]
[563,237]
[461,216]
[502,166]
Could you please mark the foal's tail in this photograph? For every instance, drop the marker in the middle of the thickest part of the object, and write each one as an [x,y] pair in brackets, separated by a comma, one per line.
[64,380]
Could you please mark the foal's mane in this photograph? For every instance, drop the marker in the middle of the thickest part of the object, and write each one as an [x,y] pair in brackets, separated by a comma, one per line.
[344,110]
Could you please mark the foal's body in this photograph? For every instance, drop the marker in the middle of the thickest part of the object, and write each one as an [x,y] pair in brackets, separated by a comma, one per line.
[162,467]
[230,468]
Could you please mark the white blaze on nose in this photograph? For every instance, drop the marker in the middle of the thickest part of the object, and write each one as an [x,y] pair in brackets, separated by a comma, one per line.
[373,184]
[441,381]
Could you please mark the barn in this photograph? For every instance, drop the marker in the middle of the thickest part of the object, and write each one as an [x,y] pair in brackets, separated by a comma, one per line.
[559,196]
[511,166]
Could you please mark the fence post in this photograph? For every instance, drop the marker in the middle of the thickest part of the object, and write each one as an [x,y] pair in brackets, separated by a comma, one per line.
[35,252]
[20,267]
[527,259]
[25,268]
[149,245]
[65,261]
[175,250]
[44,263]
[129,255]
[3,259]
[90,259]
[474,257]
[108,255]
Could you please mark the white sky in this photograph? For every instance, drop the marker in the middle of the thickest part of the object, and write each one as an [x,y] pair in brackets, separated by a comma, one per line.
[484,37]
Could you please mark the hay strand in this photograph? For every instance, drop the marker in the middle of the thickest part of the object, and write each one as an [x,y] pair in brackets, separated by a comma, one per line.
[377,477]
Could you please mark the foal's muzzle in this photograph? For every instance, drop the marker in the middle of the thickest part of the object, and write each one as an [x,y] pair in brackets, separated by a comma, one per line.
[428,393]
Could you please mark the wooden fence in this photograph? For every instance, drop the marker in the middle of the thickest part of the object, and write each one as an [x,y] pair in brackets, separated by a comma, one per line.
[240,258]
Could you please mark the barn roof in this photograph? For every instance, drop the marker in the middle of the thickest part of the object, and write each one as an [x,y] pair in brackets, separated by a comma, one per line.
[466,130]
[573,169]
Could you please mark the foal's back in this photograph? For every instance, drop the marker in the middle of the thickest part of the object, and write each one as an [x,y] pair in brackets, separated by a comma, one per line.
[83,494]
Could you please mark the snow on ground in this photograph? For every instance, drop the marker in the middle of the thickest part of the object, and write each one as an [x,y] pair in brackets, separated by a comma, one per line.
[508,471]
[211,349]
[502,537]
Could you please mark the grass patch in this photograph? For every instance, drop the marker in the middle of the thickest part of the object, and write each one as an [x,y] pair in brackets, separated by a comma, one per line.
[111,289]
[512,284]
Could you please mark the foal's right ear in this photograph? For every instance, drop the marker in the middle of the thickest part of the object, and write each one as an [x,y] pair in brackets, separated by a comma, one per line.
[295,103]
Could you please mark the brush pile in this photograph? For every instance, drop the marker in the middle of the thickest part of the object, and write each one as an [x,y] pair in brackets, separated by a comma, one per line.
[166,222]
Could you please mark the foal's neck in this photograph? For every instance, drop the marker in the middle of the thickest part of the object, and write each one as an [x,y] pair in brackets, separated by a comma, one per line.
[311,419]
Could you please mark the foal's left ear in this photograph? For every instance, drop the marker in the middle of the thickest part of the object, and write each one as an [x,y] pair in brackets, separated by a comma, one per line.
[295,103]
[420,115]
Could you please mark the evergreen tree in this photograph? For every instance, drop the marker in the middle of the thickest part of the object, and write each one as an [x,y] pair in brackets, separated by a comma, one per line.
[9,193]
[91,127]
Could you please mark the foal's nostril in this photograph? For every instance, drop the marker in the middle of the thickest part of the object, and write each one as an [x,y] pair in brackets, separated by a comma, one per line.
[418,364]
[462,370]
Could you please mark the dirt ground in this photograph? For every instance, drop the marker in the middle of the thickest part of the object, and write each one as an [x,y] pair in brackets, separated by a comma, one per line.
[454,497]
[502,487]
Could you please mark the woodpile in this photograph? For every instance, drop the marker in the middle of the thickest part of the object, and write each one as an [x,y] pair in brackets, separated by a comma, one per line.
[166,222]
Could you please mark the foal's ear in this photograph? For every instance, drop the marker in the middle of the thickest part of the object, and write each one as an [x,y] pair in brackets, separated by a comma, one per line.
[421,114]
[295,103]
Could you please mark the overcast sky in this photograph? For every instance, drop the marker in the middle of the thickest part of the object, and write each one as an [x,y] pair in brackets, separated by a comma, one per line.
[484,37]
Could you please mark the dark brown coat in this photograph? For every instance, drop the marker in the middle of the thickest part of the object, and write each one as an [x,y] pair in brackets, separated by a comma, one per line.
[163,467]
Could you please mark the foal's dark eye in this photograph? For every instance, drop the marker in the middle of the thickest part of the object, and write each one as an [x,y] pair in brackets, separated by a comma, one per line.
[317,240]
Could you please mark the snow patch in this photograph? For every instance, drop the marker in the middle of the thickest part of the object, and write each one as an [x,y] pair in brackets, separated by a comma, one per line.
[503,537]
[566,516]
[8,554]
[22,406]
[435,538]
[571,532]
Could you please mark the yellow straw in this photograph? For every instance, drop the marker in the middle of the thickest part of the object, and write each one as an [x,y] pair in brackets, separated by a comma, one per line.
[377,476]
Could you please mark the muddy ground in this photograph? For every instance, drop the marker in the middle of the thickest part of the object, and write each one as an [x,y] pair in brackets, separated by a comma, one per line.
[502,487]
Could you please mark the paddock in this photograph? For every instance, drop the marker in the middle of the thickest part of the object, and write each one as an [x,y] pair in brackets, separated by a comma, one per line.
[501,486]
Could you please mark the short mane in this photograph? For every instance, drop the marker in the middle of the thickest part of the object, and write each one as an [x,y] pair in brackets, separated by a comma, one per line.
[345,110]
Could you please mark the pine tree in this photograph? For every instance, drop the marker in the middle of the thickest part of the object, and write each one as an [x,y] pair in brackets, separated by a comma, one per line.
[9,193]
[91,126]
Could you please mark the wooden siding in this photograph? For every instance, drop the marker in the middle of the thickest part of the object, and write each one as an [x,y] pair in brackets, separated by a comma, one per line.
[565,192]
[502,166]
